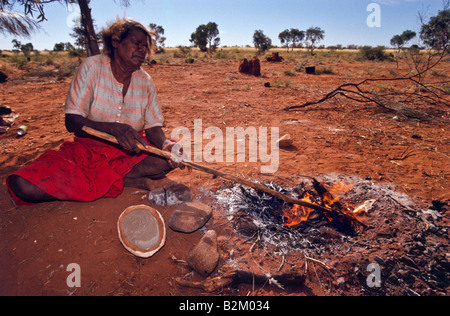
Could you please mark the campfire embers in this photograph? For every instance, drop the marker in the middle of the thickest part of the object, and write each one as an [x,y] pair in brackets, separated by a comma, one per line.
[291,226]
[341,216]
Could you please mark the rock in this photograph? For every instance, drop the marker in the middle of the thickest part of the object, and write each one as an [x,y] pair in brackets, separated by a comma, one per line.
[189,217]
[172,195]
[5,110]
[310,70]
[285,141]
[204,257]
[341,283]
[3,77]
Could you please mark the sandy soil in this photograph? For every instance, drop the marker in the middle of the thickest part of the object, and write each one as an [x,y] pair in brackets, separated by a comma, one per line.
[335,138]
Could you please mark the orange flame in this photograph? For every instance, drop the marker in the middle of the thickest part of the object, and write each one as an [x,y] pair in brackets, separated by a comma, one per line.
[298,214]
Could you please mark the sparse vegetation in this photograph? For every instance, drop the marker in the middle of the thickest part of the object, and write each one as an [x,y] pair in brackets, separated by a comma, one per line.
[328,70]
[373,53]
[206,37]
[261,41]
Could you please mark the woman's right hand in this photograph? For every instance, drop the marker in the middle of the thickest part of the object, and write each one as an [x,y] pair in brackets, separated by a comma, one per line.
[127,137]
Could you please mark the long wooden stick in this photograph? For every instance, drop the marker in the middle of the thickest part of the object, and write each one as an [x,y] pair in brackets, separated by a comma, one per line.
[254,185]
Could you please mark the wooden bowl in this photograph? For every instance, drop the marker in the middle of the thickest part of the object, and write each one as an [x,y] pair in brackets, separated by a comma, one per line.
[142,230]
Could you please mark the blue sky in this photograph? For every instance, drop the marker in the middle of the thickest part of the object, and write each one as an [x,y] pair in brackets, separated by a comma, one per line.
[344,21]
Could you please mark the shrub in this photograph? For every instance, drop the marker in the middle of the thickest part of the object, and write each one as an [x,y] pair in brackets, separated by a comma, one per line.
[373,53]
[290,73]
[183,52]
[325,70]
[221,55]
[76,53]
[282,83]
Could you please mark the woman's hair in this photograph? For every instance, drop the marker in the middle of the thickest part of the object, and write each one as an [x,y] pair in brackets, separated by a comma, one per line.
[120,29]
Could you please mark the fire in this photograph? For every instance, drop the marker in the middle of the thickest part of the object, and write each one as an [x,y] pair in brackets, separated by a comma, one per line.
[298,214]
[329,199]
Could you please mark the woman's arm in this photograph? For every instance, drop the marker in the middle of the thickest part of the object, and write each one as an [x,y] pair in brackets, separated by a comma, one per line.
[125,134]
[155,135]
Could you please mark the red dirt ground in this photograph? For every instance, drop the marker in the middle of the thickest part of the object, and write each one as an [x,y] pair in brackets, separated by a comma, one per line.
[338,137]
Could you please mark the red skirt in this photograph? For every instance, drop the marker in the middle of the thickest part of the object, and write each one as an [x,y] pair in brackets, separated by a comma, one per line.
[84,170]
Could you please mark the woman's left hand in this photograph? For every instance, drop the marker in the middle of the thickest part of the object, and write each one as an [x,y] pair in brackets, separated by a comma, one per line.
[177,154]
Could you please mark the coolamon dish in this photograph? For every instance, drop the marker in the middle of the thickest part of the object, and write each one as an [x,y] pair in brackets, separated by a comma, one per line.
[142,230]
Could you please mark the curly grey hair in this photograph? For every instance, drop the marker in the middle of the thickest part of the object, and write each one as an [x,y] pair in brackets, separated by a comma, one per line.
[120,29]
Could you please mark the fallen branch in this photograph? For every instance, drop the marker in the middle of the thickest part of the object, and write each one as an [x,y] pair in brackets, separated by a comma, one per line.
[236,277]
[354,92]
[361,92]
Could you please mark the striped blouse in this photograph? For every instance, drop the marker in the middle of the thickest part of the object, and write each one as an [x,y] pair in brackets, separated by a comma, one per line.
[95,94]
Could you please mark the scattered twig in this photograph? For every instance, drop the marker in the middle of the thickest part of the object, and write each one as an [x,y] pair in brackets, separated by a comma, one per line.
[406,154]
[236,277]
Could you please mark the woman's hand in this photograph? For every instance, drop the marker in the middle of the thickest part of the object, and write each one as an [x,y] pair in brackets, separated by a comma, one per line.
[127,137]
[177,154]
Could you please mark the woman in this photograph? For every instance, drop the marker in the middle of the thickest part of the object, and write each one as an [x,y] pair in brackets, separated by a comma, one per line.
[112,94]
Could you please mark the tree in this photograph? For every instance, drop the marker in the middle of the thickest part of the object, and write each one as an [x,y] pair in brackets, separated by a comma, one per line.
[313,36]
[36,7]
[400,41]
[205,35]
[88,24]
[26,49]
[59,47]
[16,44]
[17,24]
[285,38]
[436,33]
[297,36]
[293,35]
[81,36]
[159,30]
[261,41]
[68,46]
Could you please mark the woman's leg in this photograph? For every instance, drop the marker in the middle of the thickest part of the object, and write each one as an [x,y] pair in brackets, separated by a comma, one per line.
[145,175]
[28,192]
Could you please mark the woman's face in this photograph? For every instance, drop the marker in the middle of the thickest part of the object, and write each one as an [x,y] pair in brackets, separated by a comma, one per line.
[132,50]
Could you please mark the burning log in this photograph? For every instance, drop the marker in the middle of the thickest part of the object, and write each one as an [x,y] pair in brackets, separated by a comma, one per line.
[344,219]
[236,277]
